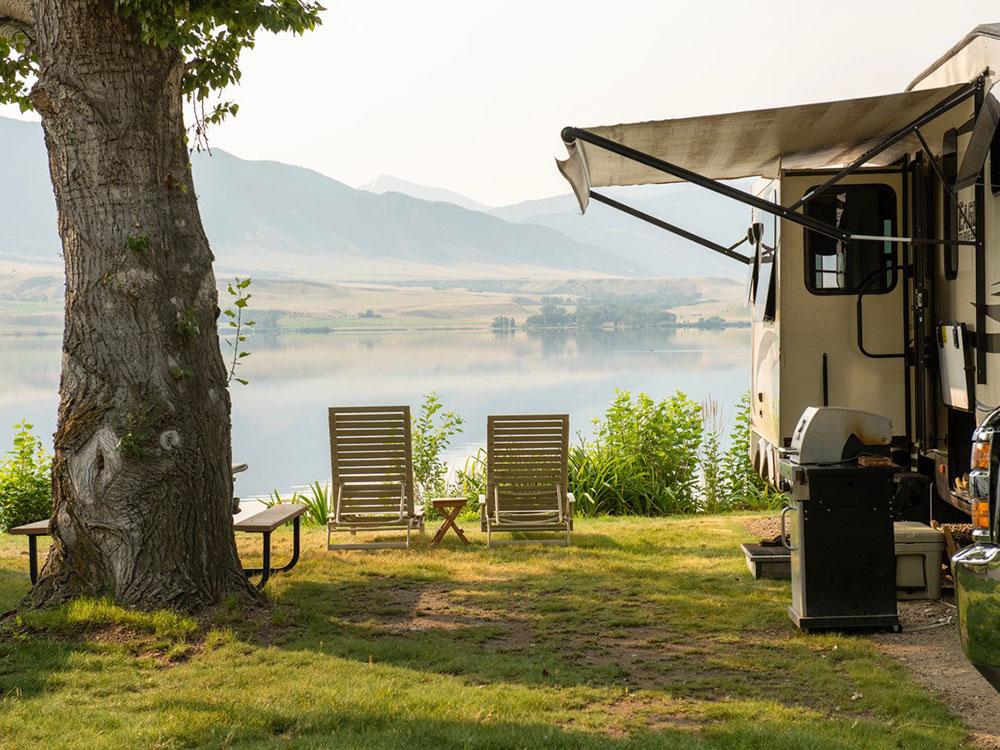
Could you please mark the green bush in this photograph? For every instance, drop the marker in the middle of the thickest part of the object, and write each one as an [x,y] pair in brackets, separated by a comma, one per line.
[433,429]
[643,459]
[470,481]
[740,485]
[25,481]
[714,482]
[317,503]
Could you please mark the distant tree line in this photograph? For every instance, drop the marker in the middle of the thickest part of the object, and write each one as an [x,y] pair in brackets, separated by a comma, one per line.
[618,312]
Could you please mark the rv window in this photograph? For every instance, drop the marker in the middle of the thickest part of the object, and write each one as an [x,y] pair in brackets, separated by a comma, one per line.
[834,267]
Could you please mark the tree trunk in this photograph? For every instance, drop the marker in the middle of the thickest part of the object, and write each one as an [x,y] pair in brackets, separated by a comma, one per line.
[141,473]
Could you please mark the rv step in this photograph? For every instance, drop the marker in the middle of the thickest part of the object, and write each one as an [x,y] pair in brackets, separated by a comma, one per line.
[765,561]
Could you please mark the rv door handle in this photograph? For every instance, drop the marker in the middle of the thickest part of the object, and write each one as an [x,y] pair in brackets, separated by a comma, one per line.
[786,542]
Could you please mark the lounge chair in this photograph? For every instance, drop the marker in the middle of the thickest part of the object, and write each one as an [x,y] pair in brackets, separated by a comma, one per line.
[372,487]
[526,477]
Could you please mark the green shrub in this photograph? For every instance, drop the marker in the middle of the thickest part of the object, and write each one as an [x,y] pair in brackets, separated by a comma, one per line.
[714,484]
[317,503]
[643,459]
[470,481]
[433,429]
[25,481]
[741,485]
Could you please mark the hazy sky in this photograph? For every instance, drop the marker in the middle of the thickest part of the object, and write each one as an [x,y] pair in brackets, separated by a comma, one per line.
[471,96]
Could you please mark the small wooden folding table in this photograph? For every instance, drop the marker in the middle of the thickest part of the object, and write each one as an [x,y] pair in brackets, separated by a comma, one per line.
[449,507]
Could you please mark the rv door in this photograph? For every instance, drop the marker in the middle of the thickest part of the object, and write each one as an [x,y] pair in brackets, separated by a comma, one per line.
[822,360]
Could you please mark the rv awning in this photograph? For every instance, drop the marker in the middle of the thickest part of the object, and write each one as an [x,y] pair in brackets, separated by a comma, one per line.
[757,143]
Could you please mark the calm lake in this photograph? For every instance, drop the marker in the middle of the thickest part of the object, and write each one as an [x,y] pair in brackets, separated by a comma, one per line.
[279,420]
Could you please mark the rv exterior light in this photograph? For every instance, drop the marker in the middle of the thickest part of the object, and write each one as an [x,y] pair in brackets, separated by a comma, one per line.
[982,477]
[982,139]
[981,514]
[980,455]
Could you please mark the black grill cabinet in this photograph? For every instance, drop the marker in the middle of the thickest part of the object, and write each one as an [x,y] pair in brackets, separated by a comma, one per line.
[839,522]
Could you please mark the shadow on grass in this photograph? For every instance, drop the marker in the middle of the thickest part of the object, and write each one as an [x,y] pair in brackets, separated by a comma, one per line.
[656,616]
[14,584]
[607,625]
[26,664]
[324,726]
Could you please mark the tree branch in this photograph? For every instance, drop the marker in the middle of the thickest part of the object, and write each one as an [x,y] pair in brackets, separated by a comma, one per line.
[16,19]
[16,10]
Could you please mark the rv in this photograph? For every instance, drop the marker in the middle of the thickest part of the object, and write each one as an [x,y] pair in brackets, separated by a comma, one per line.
[873,259]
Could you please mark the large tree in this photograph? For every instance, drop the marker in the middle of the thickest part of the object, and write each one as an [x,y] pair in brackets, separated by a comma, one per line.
[141,474]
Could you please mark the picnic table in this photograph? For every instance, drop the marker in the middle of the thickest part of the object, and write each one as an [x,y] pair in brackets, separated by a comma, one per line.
[263,523]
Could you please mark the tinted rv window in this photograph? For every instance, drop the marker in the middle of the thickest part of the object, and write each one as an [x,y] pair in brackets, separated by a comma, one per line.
[834,267]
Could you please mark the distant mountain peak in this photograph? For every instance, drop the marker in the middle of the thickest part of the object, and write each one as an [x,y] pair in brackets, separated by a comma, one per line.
[385,183]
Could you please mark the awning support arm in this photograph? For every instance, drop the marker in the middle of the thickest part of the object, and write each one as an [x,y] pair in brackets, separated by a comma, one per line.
[727,251]
[571,134]
[955,99]
[944,180]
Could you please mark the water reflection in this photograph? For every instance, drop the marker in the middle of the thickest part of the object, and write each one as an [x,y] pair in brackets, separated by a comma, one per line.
[279,420]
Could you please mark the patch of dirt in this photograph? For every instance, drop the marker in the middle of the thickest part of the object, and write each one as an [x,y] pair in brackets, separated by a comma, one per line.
[656,715]
[439,607]
[930,647]
[763,528]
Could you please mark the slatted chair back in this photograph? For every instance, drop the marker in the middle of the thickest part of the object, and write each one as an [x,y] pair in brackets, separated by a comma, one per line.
[372,461]
[526,462]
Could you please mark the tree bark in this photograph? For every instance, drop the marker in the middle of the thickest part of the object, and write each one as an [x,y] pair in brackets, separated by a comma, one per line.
[141,474]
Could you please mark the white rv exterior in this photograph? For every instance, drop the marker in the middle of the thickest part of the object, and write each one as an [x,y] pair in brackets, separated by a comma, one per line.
[908,326]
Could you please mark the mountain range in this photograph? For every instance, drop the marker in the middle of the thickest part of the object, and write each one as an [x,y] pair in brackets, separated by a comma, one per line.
[271,219]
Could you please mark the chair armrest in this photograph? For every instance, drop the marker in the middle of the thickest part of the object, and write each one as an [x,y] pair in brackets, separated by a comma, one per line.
[339,487]
[402,502]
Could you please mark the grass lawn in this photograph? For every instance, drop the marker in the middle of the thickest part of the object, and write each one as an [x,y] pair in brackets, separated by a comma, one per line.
[645,633]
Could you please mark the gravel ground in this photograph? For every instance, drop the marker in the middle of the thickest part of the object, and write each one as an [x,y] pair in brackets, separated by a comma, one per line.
[931,649]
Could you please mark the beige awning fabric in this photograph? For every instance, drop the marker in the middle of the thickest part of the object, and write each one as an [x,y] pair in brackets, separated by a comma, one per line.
[757,143]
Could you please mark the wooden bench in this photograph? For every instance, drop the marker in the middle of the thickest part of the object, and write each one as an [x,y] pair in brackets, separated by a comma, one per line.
[262,523]
[32,531]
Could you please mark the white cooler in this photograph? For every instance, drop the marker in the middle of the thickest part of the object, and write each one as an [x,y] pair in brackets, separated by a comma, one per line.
[918,560]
